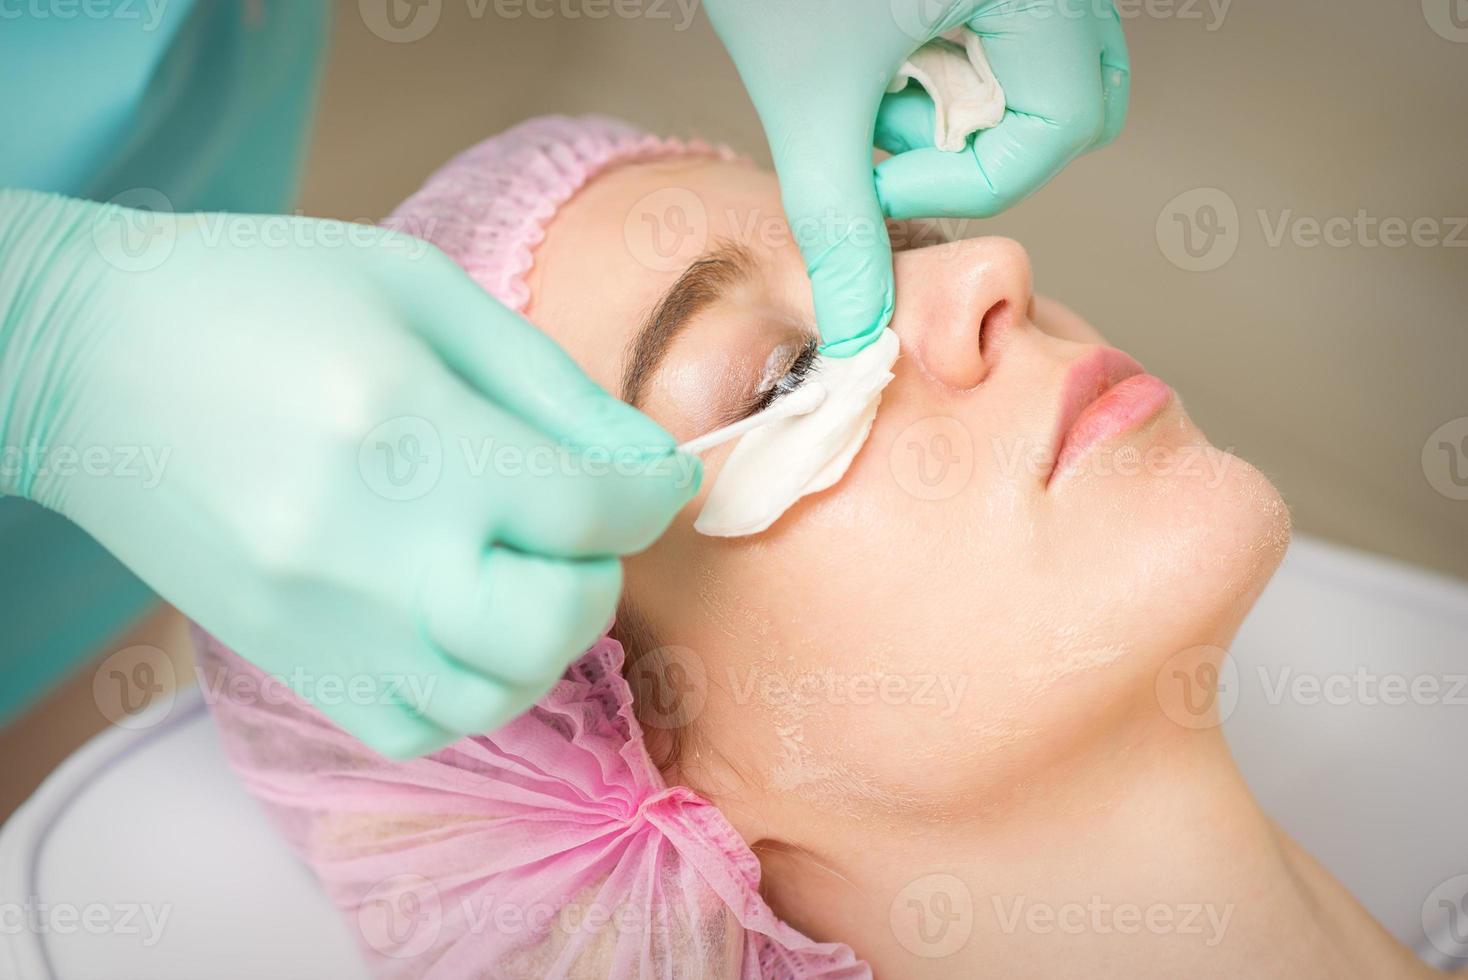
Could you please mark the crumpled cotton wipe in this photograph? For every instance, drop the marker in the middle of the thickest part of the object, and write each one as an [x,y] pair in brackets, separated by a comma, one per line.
[775,465]
[955,72]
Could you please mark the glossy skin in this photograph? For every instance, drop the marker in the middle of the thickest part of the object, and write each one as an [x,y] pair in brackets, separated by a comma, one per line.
[1027,586]
[912,674]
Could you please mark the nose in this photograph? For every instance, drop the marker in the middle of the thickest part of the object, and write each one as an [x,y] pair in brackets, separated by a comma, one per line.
[958,305]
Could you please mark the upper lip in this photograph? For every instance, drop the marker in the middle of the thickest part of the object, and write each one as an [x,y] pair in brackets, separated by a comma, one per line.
[1090,376]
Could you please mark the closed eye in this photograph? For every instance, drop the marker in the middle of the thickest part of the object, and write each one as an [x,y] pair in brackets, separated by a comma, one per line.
[795,375]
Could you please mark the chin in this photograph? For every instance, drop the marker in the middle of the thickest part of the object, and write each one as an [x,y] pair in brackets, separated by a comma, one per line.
[1225,533]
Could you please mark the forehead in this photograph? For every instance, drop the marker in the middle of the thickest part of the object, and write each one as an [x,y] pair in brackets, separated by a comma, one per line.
[622,240]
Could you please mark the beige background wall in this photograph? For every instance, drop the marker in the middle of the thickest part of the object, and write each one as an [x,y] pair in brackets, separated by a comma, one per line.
[1329,367]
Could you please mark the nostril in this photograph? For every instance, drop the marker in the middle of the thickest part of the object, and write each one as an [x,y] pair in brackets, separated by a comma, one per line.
[990,326]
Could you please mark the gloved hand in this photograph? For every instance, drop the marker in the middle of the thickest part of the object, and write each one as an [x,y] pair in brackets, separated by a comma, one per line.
[328,446]
[817,71]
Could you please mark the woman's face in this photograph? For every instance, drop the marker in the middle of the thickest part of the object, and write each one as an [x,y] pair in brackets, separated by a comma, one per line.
[955,612]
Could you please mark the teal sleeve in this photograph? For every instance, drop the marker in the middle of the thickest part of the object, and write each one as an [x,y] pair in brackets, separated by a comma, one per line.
[196,105]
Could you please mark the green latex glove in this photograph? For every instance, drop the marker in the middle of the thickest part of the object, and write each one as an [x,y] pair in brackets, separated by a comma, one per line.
[331,448]
[818,70]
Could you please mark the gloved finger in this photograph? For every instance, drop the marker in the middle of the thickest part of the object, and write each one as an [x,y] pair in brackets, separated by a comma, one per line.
[933,183]
[520,619]
[464,702]
[823,157]
[906,121]
[509,483]
[516,365]
[1116,79]
[1055,111]
[1050,68]
[393,729]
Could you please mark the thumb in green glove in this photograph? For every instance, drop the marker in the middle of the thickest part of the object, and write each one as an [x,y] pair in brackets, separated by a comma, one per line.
[817,72]
[379,483]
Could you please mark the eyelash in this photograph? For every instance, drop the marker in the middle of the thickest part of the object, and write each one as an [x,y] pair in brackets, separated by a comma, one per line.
[795,376]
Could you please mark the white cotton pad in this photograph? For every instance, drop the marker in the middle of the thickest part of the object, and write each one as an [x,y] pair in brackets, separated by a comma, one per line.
[774,466]
[955,72]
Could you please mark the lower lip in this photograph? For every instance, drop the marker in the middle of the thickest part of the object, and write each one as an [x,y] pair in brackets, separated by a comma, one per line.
[1124,407]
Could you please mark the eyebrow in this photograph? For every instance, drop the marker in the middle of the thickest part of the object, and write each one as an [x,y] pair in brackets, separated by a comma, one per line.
[706,280]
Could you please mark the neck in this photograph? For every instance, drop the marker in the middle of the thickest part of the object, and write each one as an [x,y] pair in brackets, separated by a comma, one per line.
[1144,856]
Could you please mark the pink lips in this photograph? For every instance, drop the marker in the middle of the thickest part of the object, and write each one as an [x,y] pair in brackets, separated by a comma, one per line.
[1106,394]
